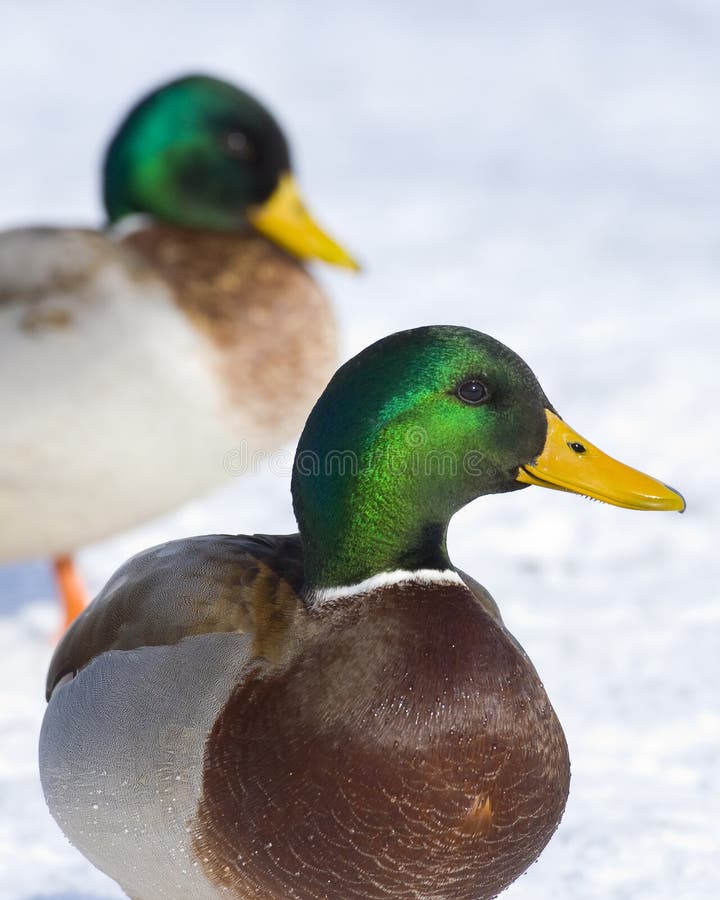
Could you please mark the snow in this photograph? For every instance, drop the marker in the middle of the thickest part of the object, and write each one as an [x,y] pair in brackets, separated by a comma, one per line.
[548,173]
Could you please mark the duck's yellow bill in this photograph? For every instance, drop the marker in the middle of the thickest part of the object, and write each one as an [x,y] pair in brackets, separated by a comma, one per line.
[570,463]
[284,219]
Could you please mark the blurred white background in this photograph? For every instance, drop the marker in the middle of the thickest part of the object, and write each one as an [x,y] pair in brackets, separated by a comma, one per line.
[548,173]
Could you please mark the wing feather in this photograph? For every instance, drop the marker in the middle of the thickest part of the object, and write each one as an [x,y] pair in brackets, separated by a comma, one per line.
[193,586]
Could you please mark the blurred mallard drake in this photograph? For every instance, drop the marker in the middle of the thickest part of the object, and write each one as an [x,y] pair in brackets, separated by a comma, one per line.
[339,713]
[133,359]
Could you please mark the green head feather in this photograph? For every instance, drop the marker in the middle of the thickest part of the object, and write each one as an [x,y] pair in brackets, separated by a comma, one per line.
[391,450]
[196,152]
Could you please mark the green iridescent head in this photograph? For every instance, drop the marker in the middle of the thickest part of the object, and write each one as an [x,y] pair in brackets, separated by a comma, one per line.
[201,153]
[406,433]
[197,152]
[416,426]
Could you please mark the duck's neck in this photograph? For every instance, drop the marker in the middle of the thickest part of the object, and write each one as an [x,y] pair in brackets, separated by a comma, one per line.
[358,519]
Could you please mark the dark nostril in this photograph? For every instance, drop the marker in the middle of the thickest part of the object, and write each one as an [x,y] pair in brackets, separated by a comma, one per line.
[576,446]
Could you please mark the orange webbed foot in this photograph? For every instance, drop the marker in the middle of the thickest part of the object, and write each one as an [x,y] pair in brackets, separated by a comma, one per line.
[72,590]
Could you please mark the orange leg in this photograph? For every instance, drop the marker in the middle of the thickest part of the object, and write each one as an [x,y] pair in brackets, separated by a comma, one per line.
[72,590]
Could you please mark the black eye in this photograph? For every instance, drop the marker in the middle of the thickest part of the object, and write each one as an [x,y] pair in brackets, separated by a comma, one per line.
[239,146]
[577,446]
[472,392]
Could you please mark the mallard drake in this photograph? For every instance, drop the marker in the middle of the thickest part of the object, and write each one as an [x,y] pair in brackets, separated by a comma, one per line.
[339,713]
[133,359]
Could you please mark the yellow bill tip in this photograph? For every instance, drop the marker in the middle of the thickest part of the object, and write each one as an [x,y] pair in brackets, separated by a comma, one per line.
[568,462]
[679,500]
[285,219]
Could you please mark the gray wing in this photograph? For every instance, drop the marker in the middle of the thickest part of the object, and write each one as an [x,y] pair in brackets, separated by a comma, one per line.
[194,586]
[37,264]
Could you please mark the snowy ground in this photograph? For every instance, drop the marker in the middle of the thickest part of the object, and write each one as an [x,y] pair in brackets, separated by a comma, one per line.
[548,173]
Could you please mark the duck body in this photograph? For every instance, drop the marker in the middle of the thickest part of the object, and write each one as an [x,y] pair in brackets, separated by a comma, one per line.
[135,371]
[139,363]
[397,745]
[339,714]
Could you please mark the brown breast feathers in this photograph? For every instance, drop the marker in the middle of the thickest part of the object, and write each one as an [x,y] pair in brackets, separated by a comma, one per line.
[408,750]
[269,321]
